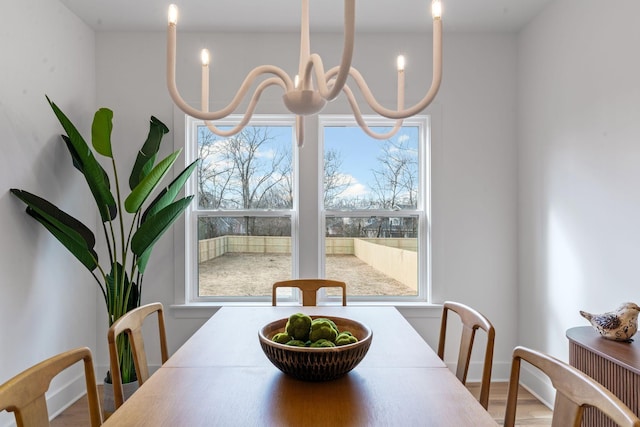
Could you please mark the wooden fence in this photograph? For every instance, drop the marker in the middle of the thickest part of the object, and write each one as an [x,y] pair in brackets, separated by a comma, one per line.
[394,257]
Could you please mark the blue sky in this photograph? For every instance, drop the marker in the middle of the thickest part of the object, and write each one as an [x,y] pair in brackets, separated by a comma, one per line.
[359,152]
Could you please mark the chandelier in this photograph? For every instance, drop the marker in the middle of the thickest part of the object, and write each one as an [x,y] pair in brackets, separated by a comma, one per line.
[308,92]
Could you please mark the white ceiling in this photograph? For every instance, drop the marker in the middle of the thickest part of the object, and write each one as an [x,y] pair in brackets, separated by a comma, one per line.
[284,15]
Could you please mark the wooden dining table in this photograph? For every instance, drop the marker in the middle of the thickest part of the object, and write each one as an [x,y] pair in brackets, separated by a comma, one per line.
[221,377]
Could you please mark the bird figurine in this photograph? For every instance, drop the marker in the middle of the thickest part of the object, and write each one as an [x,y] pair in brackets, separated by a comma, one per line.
[618,325]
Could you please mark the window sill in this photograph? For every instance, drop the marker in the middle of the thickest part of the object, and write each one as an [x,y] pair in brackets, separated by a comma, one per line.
[204,310]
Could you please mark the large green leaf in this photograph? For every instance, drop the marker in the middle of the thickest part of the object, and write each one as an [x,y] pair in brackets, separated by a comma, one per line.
[156,225]
[73,235]
[91,169]
[167,218]
[77,161]
[147,154]
[139,194]
[101,131]
[144,259]
[168,194]
[75,157]
[88,257]
[74,229]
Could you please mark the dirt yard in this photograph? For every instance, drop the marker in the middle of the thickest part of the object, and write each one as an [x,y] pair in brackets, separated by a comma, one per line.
[253,275]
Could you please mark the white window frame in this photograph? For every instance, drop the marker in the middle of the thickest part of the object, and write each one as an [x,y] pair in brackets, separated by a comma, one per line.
[422,210]
[193,212]
[186,292]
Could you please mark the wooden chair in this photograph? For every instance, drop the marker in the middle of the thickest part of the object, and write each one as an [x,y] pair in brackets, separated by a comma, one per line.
[24,394]
[131,324]
[574,391]
[309,288]
[471,321]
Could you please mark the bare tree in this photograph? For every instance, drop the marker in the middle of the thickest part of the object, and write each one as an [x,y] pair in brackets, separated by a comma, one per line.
[246,171]
[334,182]
[260,171]
[213,176]
[395,180]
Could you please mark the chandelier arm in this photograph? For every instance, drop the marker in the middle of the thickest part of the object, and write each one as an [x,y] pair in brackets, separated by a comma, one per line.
[315,64]
[325,80]
[250,109]
[358,114]
[361,122]
[305,45]
[306,99]
[345,64]
[300,130]
[287,83]
[422,104]
[283,80]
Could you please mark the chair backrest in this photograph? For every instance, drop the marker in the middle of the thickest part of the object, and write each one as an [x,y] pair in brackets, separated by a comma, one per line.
[24,394]
[309,288]
[574,391]
[131,324]
[471,320]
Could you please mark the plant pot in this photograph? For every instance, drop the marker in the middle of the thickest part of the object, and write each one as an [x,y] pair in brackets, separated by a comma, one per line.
[108,402]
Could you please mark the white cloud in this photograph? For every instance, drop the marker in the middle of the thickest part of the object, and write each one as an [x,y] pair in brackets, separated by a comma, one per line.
[355,188]
[268,153]
[403,138]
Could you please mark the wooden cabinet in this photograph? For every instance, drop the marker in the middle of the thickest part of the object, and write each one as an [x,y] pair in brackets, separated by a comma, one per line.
[616,365]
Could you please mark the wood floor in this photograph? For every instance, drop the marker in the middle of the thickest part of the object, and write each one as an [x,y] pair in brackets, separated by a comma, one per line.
[530,411]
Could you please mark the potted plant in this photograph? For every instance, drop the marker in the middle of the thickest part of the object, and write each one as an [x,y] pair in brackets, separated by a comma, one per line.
[131,226]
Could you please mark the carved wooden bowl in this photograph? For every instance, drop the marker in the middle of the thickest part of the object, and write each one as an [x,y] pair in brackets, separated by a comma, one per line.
[319,363]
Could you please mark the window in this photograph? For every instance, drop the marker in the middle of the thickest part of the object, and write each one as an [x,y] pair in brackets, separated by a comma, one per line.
[375,205]
[370,226]
[239,229]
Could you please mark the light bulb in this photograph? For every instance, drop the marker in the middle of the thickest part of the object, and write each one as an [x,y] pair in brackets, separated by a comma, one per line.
[400,63]
[296,81]
[436,9]
[173,14]
[205,57]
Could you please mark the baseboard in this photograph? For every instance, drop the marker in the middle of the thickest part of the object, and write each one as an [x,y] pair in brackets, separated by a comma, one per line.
[530,379]
[60,399]
[69,393]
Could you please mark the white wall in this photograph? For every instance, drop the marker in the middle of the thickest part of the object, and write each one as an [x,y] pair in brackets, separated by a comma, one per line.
[474,149]
[47,299]
[573,71]
[47,50]
[579,167]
